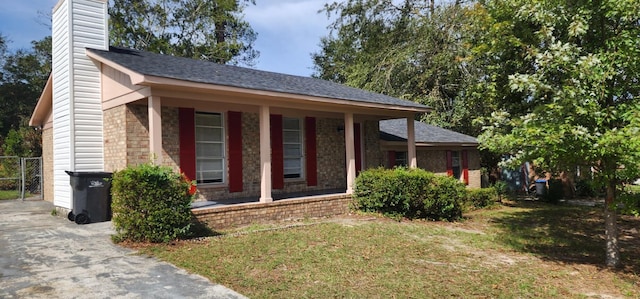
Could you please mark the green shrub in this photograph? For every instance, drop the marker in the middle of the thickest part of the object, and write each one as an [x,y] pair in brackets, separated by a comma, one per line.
[150,204]
[502,189]
[443,200]
[412,193]
[482,198]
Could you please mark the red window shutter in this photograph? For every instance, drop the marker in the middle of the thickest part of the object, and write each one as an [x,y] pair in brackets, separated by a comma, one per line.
[187,126]
[449,163]
[465,168]
[310,151]
[234,121]
[277,152]
[358,147]
[392,158]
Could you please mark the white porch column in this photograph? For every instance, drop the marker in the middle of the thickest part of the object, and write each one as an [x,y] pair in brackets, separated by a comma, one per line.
[411,143]
[350,151]
[155,129]
[265,155]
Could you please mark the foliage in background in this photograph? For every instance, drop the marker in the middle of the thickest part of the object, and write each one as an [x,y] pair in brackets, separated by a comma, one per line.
[574,89]
[23,74]
[416,50]
[408,49]
[150,203]
[412,193]
[199,29]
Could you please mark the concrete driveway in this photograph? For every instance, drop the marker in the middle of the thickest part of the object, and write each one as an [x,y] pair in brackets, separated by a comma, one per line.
[42,256]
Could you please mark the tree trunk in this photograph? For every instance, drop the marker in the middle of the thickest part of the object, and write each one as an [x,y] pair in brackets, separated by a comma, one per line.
[611,227]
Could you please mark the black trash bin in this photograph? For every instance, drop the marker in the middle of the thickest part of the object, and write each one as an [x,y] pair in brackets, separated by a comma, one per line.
[91,196]
[541,188]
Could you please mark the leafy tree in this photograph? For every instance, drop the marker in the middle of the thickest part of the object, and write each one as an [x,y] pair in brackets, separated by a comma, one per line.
[22,142]
[24,74]
[201,29]
[573,98]
[412,50]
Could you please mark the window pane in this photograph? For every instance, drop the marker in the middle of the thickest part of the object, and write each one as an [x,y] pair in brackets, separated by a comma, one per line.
[209,164]
[291,123]
[209,150]
[208,134]
[292,150]
[209,176]
[291,136]
[292,164]
[455,161]
[209,119]
[210,147]
[401,158]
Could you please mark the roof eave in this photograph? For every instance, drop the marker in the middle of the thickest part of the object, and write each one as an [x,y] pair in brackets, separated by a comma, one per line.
[154,81]
[430,144]
[163,81]
[43,107]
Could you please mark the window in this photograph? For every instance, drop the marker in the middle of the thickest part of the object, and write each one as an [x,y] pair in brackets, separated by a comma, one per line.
[456,164]
[401,159]
[210,148]
[292,147]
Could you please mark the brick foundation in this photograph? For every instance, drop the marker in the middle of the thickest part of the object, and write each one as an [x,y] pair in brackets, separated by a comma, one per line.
[286,209]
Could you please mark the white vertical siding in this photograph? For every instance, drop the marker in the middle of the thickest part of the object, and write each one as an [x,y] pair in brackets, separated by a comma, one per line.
[89,25]
[77,108]
[61,106]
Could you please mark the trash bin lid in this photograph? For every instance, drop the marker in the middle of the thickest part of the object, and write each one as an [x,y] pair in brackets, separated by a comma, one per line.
[101,174]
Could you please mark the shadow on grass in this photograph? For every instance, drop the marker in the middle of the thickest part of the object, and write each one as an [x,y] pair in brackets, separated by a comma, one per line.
[567,234]
[200,229]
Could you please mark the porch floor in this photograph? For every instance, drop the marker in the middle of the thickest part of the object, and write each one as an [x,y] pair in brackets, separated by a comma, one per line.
[256,199]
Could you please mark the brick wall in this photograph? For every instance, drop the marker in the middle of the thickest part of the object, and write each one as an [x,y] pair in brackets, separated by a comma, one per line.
[115,144]
[47,164]
[136,119]
[286,209]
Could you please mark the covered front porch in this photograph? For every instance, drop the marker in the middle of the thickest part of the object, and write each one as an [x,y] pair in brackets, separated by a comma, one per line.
[246,137]
[331,145]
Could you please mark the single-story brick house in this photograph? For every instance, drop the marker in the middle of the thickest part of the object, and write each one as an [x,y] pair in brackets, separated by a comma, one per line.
[238,132]
[439,150]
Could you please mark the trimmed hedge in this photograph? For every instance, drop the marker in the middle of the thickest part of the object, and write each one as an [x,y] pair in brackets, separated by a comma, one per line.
[150,203]
[411,193]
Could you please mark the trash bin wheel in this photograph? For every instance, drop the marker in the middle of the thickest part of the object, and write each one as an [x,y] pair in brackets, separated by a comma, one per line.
[82,218]
[71,216]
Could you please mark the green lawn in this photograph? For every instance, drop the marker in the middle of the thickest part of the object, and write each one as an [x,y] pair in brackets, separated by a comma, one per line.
[525,250]
[9,194]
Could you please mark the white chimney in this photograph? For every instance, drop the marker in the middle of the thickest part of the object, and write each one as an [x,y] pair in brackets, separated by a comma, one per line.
[77,107]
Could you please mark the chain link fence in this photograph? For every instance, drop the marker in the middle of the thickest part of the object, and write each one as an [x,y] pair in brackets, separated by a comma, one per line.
[20,178]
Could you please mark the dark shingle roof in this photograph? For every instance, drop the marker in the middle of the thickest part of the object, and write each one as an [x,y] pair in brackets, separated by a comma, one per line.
[396,130]
[192,70]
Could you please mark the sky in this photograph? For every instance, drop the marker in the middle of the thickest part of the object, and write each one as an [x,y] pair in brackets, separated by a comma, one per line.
[289,31]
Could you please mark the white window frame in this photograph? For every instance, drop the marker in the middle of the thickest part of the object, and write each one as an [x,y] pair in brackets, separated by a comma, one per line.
[200,157]
[300,144]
